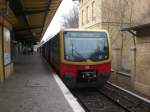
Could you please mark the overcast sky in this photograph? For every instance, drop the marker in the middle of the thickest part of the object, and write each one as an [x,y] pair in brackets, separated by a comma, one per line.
[57,21]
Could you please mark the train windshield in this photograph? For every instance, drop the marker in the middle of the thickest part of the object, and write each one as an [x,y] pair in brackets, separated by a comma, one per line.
[80,46]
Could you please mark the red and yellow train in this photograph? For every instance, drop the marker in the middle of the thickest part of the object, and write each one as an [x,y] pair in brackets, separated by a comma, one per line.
[82,58]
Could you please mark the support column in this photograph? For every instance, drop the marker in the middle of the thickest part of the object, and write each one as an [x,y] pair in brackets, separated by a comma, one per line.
[1,55]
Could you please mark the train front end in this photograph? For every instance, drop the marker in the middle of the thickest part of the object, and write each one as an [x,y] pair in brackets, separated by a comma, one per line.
[85,58]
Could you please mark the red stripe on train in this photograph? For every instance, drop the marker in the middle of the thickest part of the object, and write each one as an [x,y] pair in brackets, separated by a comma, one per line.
[72,69]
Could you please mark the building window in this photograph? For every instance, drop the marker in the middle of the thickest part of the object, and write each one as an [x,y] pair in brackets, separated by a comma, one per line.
[82,17]
[87,14]
[93,11]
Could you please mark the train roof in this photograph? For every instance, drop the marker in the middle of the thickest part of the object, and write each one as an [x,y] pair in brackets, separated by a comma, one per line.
[83,30]
[75,29]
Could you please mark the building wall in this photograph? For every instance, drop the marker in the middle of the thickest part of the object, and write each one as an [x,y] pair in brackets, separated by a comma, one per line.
[142,79]
[125,11]
[128,56]
[113,15]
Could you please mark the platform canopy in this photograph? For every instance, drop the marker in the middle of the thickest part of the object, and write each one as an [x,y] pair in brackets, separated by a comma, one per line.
[139,30]
[29,18]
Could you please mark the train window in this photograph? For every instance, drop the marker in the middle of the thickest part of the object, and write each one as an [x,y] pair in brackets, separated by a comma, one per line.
[80,46]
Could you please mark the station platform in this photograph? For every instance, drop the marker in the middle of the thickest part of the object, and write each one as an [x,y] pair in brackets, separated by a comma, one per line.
[32,88]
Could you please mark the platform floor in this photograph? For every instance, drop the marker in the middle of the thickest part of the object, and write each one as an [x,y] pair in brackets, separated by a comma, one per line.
[32,88]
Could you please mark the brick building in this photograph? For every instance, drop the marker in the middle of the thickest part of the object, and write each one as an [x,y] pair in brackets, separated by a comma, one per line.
[142,53]
[114,15]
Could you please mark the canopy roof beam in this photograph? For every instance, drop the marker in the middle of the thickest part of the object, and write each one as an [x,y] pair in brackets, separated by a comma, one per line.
[18,10]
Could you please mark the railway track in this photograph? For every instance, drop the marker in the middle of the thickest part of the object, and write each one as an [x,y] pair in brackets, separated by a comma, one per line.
[129,100]
[93,101]
[109,99]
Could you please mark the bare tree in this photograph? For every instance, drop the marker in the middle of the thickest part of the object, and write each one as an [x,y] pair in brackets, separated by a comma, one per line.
[72,19]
